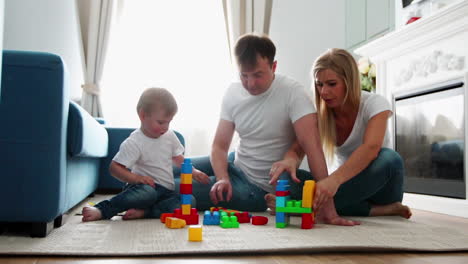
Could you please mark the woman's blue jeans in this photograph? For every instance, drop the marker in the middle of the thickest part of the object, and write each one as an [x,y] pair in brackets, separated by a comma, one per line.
[379,184]
[154,201]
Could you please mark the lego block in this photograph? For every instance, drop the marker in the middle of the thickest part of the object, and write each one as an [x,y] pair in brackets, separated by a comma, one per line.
[259,220]
[185,199]
[195,233]
[185,188]
[281,225]
[281,201]
[186,178]
[242,217]
[293,206]
[173,222]
[229,222]
[280,217]
[283,193]
[191,219]
[282,188]
[186,166]
[211,218]
[307,221]
[308,193]
[164,216]
[186,209]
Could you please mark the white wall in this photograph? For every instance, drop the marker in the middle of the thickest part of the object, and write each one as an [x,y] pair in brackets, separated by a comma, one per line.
[50,26]
[422,8]
[302,30]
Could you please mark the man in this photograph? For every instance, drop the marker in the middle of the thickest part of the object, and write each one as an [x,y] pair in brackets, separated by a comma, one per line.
[270,112]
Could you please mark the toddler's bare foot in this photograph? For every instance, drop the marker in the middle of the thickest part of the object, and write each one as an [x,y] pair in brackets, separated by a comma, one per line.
[91,214]
[395,208]
[271,202]
[133,214]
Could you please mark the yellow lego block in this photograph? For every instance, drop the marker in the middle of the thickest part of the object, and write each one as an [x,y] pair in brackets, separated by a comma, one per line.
[186,178]
[173,222]
[308,194]
[195,233]
[186,209]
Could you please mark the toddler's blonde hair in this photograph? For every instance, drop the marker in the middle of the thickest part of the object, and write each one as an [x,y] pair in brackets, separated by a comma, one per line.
[157,99]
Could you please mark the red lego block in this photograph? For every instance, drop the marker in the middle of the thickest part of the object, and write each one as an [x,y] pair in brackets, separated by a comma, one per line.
[283,193]
[243,217]
[307,221]
[186,188]
[259,220]
[164,216]
[191,219]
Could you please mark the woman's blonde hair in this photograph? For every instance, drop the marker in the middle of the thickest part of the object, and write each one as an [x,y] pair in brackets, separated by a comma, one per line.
[344,65]
[157,99]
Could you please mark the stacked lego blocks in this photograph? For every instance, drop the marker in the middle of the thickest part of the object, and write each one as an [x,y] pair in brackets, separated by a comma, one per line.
[285,206]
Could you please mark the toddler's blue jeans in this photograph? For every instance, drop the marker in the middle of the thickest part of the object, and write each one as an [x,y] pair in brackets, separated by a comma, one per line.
[154,201]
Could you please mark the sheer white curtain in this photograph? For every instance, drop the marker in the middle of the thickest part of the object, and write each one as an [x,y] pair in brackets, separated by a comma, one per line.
[180,45]
[99,16]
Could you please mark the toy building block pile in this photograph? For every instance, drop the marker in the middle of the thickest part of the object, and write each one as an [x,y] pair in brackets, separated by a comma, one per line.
[286,206]
[226,218]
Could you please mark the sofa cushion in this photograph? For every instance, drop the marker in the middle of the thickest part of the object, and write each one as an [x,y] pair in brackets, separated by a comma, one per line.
[86,137]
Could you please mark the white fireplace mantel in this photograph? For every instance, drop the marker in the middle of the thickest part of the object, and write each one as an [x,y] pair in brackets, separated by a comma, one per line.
[431,50]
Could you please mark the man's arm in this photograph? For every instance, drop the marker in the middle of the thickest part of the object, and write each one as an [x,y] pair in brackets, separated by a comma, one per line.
[219,152]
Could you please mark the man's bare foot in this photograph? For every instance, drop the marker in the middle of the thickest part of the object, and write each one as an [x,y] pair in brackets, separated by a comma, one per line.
[91,214]
[395,208]
[133,214]
[271,202]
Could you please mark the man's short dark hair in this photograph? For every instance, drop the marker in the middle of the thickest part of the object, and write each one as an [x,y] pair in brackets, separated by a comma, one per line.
[249,46]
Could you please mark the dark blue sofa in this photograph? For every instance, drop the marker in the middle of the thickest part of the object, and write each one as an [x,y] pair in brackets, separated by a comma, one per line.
[50,148]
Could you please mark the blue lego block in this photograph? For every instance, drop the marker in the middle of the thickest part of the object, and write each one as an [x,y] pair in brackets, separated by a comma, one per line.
[281,200]
[282,182]
[186,166]
[211,218]
[185,199]
[280,217]
[282,187]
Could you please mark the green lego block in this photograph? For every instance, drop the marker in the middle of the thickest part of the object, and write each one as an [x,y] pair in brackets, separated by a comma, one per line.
[281,225]
[298,210]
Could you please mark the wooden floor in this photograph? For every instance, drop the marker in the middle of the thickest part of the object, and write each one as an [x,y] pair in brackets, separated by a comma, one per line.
[345,258]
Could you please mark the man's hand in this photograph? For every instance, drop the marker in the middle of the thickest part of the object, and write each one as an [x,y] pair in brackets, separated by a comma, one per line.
[279,167]
[218,189]
[145,180]
[200,176]
[325,190]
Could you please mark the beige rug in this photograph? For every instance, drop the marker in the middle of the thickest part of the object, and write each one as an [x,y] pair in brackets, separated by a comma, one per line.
[151,237]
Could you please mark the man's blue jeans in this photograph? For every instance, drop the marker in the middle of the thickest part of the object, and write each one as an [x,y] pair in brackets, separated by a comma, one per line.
[154,201]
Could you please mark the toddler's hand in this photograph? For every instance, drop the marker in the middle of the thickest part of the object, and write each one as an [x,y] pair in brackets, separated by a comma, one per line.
[200,176]
[146,180]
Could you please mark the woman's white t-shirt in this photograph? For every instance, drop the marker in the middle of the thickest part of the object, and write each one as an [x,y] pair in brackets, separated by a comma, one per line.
[371,104]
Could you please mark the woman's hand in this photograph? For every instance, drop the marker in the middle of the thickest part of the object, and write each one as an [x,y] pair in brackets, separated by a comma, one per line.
[324,190]
[218,189]
[200,176]
[279,167]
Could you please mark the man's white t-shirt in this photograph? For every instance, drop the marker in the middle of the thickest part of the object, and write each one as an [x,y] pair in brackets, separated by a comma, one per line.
[152,157]
[371,104]
[265,124]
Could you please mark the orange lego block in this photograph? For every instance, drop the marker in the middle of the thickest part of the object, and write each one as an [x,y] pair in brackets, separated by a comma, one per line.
[173,222]
[186,209]
[186,178]
[164,216]
[308,194]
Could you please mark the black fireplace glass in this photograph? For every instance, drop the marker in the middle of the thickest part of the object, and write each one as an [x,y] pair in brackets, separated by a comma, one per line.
[430,137]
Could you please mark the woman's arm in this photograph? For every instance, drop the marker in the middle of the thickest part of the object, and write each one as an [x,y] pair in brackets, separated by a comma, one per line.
[364,154]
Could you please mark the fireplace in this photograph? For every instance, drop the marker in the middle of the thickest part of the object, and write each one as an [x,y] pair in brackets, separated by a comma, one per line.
[429,135]
[422,67]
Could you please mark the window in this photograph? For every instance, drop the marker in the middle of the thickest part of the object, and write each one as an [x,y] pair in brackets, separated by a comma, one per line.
[180,45]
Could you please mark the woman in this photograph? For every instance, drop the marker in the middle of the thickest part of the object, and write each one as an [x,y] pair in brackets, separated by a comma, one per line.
[368,180]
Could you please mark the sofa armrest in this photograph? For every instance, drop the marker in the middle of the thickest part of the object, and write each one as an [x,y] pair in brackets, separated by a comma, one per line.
[85,136]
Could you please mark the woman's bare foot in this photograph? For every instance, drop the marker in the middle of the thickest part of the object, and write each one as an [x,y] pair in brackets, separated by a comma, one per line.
[271,202]
[395,208]
[133,214]
[91,214]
